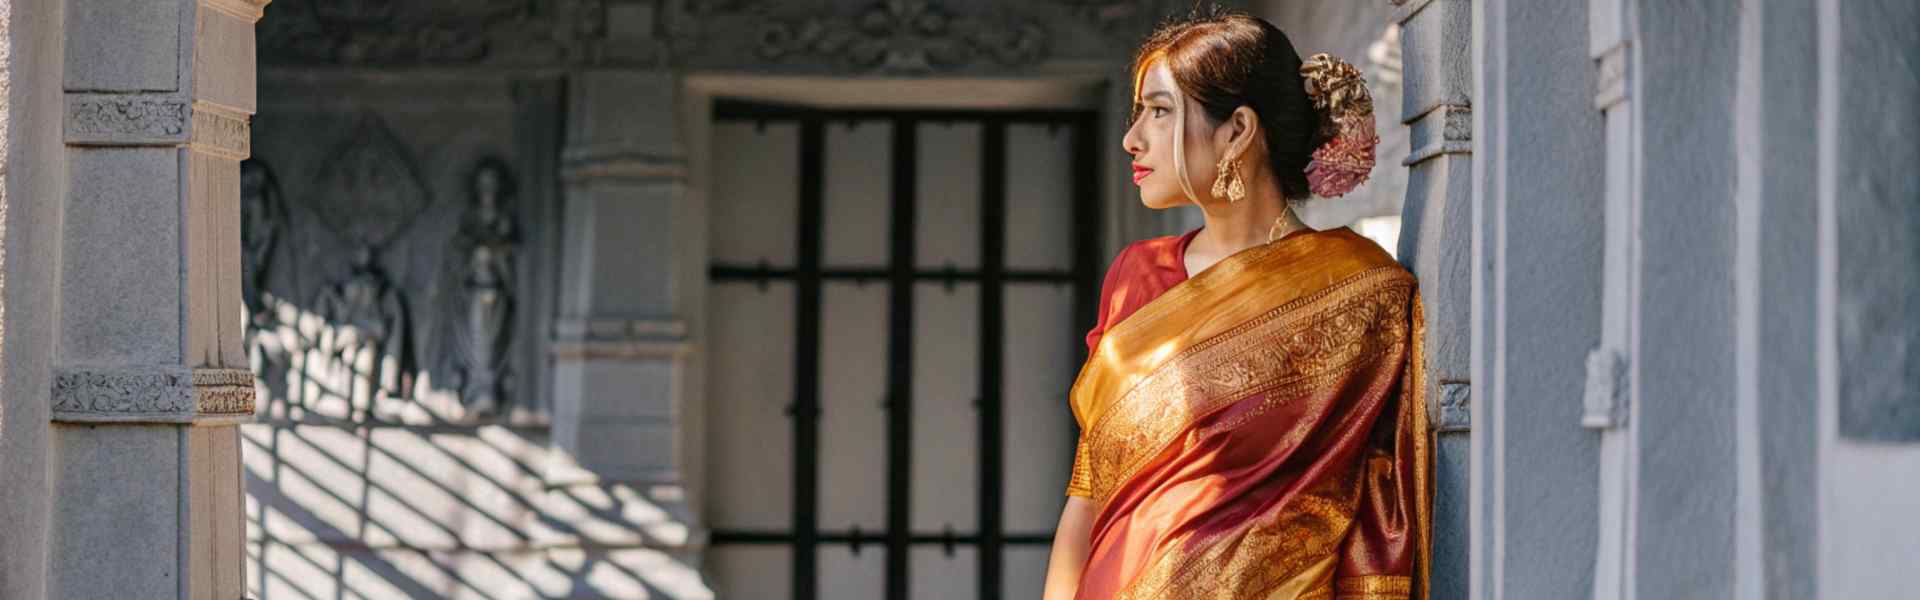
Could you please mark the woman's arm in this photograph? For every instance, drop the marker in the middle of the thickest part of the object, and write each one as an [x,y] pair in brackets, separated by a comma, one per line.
[1070,541]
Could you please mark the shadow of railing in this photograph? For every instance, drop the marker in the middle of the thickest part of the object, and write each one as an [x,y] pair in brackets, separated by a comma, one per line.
[343,504]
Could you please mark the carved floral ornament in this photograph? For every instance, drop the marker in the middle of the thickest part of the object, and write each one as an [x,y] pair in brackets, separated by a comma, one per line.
[159,394]
[904,36]
[860,35]
[430,31]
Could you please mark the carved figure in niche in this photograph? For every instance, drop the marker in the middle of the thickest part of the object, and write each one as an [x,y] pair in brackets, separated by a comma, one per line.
[480,318]
[263,217]
[367,192]
[263,231]
[366,345]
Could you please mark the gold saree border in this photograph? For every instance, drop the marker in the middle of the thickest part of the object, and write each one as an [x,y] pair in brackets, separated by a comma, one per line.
[1373,587]
[1283,354]
[1417,430]
[1305,537]
[1230,293]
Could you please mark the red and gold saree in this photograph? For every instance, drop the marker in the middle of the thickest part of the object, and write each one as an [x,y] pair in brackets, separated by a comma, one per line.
[1259,430]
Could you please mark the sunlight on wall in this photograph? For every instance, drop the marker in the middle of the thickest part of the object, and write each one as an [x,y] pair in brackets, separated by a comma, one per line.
[1384,231]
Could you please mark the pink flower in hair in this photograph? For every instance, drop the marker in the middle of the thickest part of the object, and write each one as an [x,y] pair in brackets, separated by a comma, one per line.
[1340,95]
[1343,163]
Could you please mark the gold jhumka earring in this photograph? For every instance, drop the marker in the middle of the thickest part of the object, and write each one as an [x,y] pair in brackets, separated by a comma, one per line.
[1227,181]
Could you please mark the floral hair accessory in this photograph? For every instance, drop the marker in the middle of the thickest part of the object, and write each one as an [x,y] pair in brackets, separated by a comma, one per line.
[1345,156]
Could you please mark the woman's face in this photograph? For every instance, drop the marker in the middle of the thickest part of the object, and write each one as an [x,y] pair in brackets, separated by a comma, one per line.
[1151,141]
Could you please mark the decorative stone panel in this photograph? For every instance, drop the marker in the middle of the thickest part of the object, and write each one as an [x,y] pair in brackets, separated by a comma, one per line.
[152,394]
[127,119]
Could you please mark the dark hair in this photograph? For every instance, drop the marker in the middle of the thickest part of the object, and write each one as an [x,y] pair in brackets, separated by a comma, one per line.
[1226,60]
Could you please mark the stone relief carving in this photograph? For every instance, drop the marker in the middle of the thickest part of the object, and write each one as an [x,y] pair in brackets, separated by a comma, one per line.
[163,394]
[368,301]
[216,132]
[432,31]
[223,392]
[479,319]
[367,340]
[1127,21]
[374,186]
[905,36]
[131,118]
[125,392]
[263,216]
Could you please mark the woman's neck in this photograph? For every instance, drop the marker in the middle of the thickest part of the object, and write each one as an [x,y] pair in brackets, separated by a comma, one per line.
[1235,226]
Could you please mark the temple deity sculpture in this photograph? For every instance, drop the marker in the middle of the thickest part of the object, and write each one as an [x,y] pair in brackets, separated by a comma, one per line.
[482,314]
[368,346]
[262,216]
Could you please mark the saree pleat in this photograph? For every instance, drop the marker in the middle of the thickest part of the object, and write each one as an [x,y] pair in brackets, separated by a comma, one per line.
[1233,438]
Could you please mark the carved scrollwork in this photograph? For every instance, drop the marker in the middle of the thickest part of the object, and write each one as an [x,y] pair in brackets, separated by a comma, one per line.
[429,32]
[221,133]
[126,119]
[904,36]
[158,394]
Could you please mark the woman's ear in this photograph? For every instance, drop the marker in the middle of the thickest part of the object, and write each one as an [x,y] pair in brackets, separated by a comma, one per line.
[1243,128]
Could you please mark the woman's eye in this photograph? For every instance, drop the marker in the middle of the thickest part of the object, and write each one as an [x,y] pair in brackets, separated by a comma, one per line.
[1158,111]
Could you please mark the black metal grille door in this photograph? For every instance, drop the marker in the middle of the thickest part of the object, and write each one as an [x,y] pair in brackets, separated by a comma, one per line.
[903,273]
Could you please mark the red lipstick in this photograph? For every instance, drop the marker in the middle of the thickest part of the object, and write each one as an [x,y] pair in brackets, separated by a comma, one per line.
[1140,172]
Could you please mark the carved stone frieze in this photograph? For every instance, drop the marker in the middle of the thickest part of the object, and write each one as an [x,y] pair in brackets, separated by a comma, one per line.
[380,32]
[904,36]
[221,132]
[126,119]
[151,394]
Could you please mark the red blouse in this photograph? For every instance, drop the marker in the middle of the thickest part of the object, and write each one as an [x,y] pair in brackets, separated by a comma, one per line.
[1143,270]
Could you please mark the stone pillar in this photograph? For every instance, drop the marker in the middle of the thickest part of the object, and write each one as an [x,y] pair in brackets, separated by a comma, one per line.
[1607,397]
[149,376]
[629,262]
[1436,244]
[1536,309]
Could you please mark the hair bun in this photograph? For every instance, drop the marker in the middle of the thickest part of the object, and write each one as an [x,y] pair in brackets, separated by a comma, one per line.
[1345,157]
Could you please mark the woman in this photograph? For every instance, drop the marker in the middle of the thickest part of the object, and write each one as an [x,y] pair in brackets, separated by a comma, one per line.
[1256,429]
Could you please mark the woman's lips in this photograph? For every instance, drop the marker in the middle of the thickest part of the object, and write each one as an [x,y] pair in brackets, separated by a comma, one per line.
[1140,172]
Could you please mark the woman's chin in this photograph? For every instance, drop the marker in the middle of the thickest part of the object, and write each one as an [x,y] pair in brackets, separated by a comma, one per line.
[1161,201]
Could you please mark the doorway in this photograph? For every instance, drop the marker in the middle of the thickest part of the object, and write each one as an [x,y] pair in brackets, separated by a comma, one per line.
[897,301]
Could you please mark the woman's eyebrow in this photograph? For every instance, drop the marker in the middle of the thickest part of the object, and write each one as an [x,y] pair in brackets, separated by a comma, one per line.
[1162,94]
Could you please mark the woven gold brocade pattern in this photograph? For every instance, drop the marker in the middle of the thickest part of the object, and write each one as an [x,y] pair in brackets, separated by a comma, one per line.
[1265,554]
[1373,587]
[1282,354]
[1081,484]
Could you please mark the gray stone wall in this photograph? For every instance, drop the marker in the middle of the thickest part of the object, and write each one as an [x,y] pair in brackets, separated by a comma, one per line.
[31,167]
[1685,410]
[1869,244]
[1536,301]
[1785,278]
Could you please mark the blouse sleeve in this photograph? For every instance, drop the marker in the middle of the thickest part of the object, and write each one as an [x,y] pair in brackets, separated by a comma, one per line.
[1080,483]
[1106,307]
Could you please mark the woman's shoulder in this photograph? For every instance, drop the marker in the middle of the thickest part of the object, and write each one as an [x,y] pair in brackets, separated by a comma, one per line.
[1152,254]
